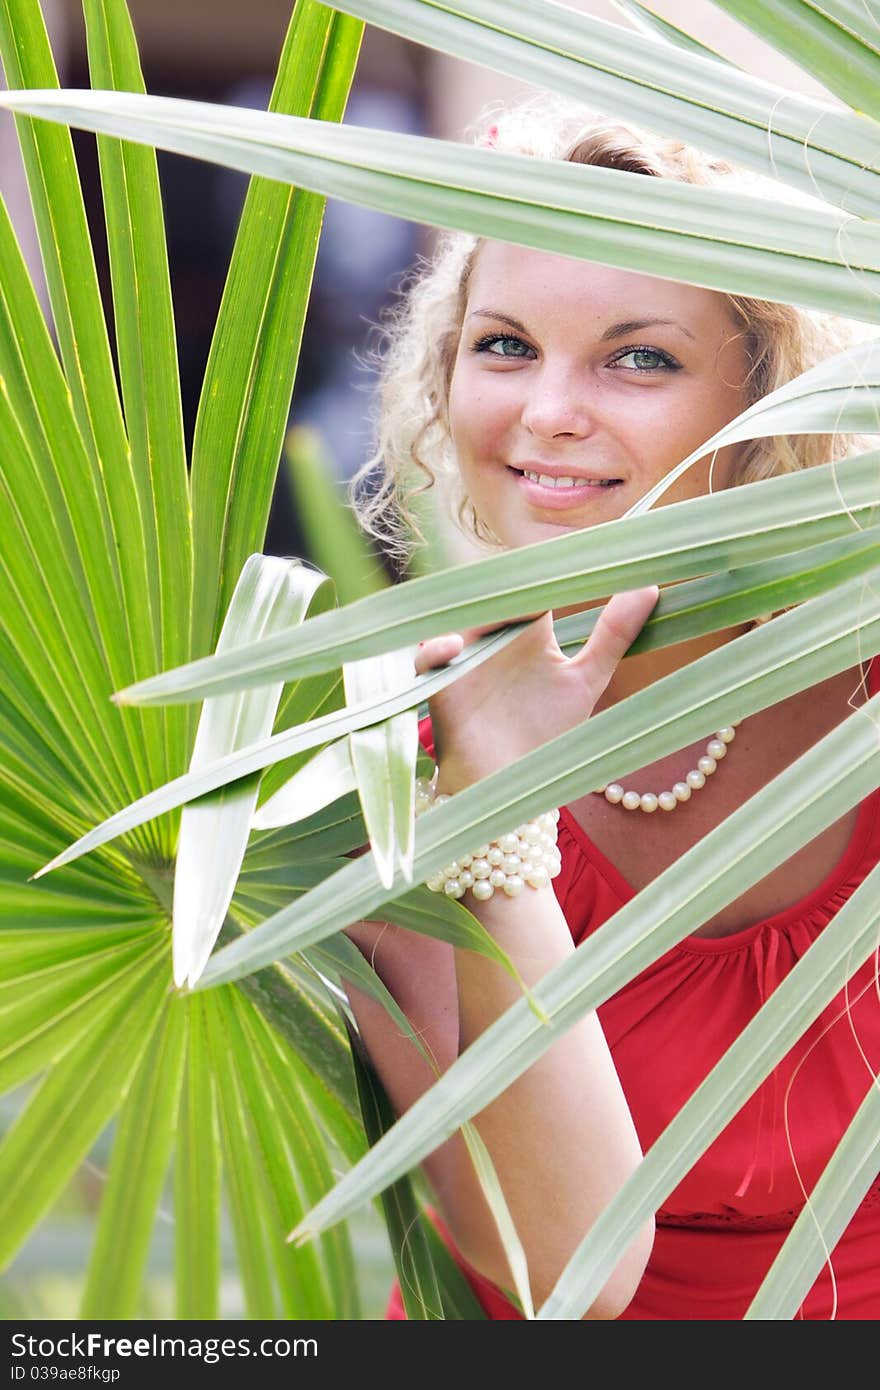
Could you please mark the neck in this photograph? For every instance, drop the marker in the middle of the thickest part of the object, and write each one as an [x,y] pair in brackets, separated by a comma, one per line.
[636,672]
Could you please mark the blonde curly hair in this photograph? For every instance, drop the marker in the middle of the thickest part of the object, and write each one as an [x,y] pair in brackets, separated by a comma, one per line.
[420,334]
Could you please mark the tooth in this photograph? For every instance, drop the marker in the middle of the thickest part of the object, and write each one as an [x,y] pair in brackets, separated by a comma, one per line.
[546,480]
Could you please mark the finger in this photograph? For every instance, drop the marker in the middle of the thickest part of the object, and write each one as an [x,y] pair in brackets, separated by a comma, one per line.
[619,624]
[472,633]
[437,651]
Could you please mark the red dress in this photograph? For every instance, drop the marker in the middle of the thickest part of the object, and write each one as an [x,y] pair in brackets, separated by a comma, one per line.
[719,1231]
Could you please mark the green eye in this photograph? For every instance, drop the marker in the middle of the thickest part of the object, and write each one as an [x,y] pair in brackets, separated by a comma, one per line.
[502,345]
[647,359]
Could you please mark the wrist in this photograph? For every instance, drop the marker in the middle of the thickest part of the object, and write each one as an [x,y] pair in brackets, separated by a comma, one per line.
[524,857]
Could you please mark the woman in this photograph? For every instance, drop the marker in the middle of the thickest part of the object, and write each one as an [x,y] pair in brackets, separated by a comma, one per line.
[558,393]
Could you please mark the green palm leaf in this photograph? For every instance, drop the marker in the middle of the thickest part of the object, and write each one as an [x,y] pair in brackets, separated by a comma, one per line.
[67,252]
[335,542]
[245,398]
[303,702]
[74,438]
[729,241]
[305,1149]
[685,610]
[327,834]
[53,510]
[325,778]
[95,583]
[197,1164]
[76,1099]
[272,595]
[687,538]
[610,68]
[431,1285]
[837,41]
[55,991]
[303,1290]
[146,351]
[275,1163]
[649,22]
[309,1024]
[419,910]
[405,1222]
[246,1197]
[383,757]
[147,1124]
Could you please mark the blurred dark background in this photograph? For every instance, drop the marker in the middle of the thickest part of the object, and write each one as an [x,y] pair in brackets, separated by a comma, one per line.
[227,54]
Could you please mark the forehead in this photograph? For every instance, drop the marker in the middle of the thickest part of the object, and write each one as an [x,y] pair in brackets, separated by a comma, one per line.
[539,286]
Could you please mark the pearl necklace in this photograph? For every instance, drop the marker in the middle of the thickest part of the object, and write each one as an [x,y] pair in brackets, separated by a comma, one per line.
[716,749]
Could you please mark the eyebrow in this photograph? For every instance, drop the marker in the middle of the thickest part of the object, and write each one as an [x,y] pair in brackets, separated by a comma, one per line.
[616,330]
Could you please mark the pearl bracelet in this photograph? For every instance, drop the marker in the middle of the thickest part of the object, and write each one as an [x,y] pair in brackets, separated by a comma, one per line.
[526,856]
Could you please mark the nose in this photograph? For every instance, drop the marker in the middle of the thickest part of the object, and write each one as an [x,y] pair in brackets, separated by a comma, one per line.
[559,404]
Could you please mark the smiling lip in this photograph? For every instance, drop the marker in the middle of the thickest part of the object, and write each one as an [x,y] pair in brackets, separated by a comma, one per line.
[554,487]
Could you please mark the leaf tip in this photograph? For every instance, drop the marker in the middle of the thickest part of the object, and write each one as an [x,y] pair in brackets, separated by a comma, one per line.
[44,870]
[134,694]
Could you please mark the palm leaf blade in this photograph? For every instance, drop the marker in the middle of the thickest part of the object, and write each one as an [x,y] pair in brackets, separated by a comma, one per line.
[834,41]
[736,242]
[245,398]
[271,595]
[79,1096]
[139,1163]
[643,78]
[146,350]
[197,1165]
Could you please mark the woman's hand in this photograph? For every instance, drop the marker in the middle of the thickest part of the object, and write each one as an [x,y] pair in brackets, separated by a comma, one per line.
[527,694]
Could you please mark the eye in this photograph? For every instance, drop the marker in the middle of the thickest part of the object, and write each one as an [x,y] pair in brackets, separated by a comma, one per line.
[502,345]
[646,359]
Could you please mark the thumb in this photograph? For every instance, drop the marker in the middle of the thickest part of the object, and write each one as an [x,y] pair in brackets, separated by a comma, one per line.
[620,623]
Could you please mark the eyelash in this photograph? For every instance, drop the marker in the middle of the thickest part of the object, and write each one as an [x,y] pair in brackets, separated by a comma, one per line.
[668,363]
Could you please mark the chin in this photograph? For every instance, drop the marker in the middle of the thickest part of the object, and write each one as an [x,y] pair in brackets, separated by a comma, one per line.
[532,532]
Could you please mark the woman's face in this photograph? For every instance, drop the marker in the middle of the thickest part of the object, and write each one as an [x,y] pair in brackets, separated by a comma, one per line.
[576,387]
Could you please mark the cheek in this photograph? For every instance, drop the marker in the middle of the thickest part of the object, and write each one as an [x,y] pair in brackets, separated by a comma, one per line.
[656,425]
[698,415]
[477,418]
[460,407]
